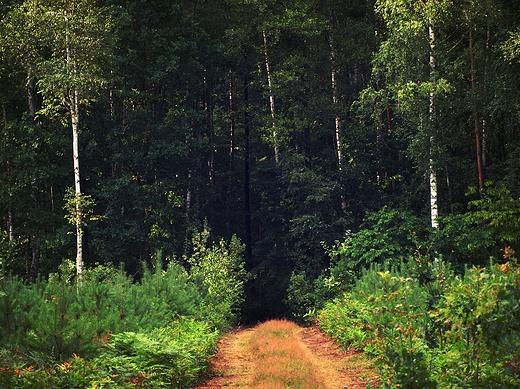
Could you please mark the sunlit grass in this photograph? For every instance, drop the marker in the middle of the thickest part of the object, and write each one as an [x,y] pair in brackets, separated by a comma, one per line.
[280,361]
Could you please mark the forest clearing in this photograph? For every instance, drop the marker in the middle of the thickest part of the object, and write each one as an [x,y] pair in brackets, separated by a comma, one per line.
[281,354]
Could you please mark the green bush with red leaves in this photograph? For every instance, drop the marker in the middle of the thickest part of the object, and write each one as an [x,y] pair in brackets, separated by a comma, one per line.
[452,331]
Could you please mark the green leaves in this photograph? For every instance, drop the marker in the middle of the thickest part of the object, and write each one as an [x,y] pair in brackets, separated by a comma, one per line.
[511,47]
[219,270]
[175,356]
[452,331]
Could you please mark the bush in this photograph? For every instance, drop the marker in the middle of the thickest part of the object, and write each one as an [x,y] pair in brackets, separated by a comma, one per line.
[59,318]
[344,319]
[110,331]
[388,236]
[448,332]
[173,356]
[491,224]
[218,271]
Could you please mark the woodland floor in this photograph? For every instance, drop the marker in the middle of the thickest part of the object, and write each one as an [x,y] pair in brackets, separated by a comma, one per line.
[233,366]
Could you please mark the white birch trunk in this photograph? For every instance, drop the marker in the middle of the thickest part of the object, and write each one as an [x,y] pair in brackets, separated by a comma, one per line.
[334,87]
[77,185]
[434,210]
[271,99]
[74,116]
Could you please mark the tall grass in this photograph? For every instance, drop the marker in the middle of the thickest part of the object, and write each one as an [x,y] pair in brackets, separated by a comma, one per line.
[280,360]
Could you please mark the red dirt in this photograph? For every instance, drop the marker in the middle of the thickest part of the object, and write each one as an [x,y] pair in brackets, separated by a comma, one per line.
[232,366]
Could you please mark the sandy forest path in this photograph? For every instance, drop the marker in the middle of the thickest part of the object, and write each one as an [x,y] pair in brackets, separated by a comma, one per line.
[234,366]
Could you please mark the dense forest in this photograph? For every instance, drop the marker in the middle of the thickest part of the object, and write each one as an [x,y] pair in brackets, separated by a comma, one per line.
[325,135]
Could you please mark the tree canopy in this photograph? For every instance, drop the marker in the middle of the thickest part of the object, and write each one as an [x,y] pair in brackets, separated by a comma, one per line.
[300,127]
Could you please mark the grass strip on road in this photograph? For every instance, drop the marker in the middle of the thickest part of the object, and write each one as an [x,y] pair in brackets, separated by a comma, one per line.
[279,359]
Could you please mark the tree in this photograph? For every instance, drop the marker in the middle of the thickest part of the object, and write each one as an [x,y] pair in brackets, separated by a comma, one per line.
[407,64]
[73,42]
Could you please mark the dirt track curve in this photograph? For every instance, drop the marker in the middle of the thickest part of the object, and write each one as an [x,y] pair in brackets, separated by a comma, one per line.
[233,367]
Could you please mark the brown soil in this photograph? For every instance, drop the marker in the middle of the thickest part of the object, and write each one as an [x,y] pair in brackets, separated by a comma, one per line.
[232,366]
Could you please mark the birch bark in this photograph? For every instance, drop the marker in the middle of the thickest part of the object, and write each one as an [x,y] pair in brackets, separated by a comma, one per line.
[271,100]
[434,209]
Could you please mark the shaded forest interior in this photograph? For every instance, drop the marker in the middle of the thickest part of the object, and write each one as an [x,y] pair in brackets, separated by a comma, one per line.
[325,135]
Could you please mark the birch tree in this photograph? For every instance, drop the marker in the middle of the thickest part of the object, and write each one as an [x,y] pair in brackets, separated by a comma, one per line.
[408,63]
[74,39]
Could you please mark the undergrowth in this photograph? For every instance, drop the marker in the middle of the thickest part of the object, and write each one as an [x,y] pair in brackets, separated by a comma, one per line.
[112,331]
[446,331]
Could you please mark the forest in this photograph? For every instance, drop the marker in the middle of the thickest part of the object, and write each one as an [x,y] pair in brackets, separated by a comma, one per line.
[266,154]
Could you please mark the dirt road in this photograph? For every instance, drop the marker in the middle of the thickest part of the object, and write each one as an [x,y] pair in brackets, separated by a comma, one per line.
[233,366]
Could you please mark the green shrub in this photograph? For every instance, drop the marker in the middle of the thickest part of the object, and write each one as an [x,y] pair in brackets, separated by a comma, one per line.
[344,320]
[113,332]
[388,236]
[448,332]
[478,323]
[218,272]
[491,224]
[59,318]
[175,356]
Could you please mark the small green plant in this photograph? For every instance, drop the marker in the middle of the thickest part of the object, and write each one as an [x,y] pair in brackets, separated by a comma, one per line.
[174,356]
[478,319]
[344,319]
[219,273]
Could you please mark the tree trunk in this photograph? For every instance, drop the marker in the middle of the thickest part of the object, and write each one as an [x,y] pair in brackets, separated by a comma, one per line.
[434,211]
[247,205]
[73,97]
[271,100]
[10,225]
[31,91]
[231,167]
[478,138]
[334,88]
[74,114]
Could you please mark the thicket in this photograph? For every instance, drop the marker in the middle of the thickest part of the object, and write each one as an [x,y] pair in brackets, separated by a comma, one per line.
[113,331]
[452,331]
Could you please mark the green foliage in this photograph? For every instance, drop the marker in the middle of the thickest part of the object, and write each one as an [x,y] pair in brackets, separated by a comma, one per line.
[59,318]
[173,356]
[344,318]
[490,228]
[80,207]
[478,320]
[219,272]
[127,333]
[388,236]
[448,332]
[511,47]
[305,296]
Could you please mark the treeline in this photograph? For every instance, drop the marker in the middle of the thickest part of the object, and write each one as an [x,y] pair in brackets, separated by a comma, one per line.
[285,123]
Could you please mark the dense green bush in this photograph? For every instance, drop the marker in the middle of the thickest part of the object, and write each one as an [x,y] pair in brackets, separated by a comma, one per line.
[450,332]
[170,357]
[175,356]
[344,318]
[111,331]
[60,318]
[490,224]
[388,236]
[219,273]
